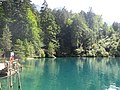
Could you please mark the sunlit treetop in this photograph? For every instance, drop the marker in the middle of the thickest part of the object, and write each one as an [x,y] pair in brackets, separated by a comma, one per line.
[44,6]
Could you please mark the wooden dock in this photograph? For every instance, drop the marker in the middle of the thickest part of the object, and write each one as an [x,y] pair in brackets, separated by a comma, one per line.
[8,68]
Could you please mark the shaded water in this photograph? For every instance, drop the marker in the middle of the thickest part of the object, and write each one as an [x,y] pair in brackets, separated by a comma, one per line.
[68,74]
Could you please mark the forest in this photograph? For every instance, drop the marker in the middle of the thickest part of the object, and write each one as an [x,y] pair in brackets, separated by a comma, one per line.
[55,33]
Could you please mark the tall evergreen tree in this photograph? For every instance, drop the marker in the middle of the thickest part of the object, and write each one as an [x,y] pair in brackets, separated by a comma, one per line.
[50,28]
[6,42]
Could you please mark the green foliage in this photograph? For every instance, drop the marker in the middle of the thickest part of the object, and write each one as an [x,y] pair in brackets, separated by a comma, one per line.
[55,32]
[6,42]
[33,32]
[117,50]
[51,49]
[50,29]
[19,49]
[29,49]
[97,50]
[79,51]
[42,53]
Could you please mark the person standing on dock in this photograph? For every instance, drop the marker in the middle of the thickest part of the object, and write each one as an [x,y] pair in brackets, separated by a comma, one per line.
[11,57]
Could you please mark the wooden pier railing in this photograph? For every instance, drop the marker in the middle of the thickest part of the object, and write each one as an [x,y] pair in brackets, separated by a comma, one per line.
[12,68]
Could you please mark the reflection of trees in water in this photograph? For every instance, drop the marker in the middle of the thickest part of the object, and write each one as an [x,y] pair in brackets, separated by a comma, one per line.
[49,77]
[32,72]
[34,65]
[101,69]
[5,84]
[105,65]
[90,72]
[37,71]
[53,67]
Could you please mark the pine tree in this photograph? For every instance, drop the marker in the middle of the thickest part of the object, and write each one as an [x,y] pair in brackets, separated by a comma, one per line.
[6,42]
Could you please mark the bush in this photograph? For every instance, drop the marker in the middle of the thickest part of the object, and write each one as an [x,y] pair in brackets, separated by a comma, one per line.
[42,53]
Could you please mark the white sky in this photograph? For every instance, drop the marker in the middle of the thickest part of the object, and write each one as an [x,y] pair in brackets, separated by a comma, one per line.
[109,9]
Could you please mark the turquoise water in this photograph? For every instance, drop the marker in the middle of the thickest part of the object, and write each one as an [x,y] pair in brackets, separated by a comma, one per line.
[68,74]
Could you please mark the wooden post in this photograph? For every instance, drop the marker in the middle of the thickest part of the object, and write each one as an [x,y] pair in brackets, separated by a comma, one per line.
[11,80]
[10,70]
[0,86]
[19,83]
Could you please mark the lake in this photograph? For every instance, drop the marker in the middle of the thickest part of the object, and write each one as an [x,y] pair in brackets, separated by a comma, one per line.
[70,73]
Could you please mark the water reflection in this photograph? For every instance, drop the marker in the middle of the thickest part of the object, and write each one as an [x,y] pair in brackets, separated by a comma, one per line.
[32,73]
[52,74]
[15,80]
[80,73]
[53,67]
[104,71]
[72,73]
[113,87]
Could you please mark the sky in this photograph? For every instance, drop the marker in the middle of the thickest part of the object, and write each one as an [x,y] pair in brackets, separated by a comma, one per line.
[109,9]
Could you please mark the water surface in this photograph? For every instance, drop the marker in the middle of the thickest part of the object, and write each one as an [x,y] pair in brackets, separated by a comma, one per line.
[68,74]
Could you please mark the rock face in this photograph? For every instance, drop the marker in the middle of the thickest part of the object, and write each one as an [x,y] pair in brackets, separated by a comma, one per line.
[2,66]
[8,68]
[3,72]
